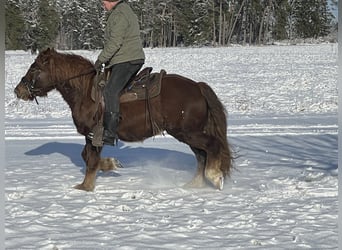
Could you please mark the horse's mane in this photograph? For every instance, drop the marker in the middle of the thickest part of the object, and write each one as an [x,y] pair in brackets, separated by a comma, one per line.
[63,66]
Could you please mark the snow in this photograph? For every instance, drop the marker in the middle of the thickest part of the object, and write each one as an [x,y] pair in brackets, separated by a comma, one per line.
[282,124]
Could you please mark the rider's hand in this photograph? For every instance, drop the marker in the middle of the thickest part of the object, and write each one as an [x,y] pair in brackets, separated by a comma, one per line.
[98,65]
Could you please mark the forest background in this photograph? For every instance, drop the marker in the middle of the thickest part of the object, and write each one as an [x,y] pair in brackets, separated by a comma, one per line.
[69,25]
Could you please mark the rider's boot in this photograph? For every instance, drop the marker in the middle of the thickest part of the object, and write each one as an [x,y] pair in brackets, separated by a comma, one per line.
[110,124]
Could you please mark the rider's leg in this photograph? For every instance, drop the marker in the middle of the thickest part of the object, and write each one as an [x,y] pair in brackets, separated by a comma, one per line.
[121,74]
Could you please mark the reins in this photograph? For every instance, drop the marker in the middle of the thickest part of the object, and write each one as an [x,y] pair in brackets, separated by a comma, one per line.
[32,90]
[77,76]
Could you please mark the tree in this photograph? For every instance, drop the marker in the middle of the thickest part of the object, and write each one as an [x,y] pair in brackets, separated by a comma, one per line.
[14,26]
[79,24]
[29,9]
[312,18]
[281,12]
[199,26]
[90,28]
[41,24]
[48,22]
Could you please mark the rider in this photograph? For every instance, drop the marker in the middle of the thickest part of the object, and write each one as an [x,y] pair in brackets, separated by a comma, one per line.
[123,53]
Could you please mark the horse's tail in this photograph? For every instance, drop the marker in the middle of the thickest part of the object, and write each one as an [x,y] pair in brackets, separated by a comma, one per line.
[217,125]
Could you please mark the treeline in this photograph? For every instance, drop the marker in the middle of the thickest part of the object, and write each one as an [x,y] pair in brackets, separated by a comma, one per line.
[78,24]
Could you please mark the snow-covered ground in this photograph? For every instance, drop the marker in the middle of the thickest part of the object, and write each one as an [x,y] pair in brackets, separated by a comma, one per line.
[282,105]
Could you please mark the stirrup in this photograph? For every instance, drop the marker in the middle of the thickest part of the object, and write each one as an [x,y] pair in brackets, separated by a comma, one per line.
[100,143]
[96,136]
[110,140]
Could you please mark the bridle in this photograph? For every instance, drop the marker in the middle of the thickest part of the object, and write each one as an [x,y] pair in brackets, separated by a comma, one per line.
[33,91]
[30,85]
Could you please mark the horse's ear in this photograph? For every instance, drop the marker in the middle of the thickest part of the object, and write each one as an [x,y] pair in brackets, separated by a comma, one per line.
[48,51]
[45,51]
[44,57]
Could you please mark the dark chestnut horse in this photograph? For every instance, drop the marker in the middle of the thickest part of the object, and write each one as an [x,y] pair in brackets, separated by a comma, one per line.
[189,111]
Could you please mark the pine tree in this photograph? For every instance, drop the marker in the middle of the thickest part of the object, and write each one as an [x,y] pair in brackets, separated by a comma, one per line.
[312,18]
[72,18]
[199,26]
[282,11]
[14,26]
[79,24]
[41,24]
[145,10]
[90,25]
[48,21]
[325,18]
[29,9]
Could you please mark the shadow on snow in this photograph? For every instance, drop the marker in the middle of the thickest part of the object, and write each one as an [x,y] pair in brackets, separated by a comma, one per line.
[128,156]
[318,152]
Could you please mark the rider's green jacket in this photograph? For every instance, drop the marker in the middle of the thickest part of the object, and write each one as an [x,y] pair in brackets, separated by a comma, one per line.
[122,42]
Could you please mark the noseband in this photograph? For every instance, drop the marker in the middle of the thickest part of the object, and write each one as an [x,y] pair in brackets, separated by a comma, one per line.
[30,85]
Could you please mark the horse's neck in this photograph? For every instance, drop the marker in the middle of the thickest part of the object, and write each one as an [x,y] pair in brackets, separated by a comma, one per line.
[68,93]
[74,87]
[77,93]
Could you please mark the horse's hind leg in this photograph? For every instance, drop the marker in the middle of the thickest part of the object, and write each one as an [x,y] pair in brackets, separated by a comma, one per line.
[210,145]
[213,171]
[198,180]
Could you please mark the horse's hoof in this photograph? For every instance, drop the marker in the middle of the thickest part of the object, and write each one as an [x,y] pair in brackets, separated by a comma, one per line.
[109,164]
[117,163]
[221,183]
[218,183]
[215,177]
[84,188]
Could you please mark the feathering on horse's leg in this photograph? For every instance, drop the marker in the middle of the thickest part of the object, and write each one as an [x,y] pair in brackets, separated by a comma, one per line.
[210,158]
[109,164]
[213,171]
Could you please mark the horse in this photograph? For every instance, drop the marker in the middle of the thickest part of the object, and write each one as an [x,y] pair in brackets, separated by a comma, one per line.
[187,110]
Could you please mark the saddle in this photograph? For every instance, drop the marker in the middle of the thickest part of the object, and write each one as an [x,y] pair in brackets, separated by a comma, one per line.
[144,85]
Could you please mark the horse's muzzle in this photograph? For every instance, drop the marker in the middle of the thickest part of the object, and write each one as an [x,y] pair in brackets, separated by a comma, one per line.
[21,92]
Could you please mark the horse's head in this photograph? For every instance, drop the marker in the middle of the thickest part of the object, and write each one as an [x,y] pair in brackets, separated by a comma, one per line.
[37,80]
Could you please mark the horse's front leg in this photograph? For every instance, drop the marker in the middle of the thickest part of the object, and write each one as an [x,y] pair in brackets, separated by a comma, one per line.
[92,157]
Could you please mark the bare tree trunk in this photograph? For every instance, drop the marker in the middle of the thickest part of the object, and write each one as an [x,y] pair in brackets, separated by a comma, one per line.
[152,30]
[236,18]
[269,7]
[244,25]
[261,25]
[291,21]
[220,25]
[151,39]
[224,29]
[230,22]
[162,21]
[214,28]
[174,42]
[250,33]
